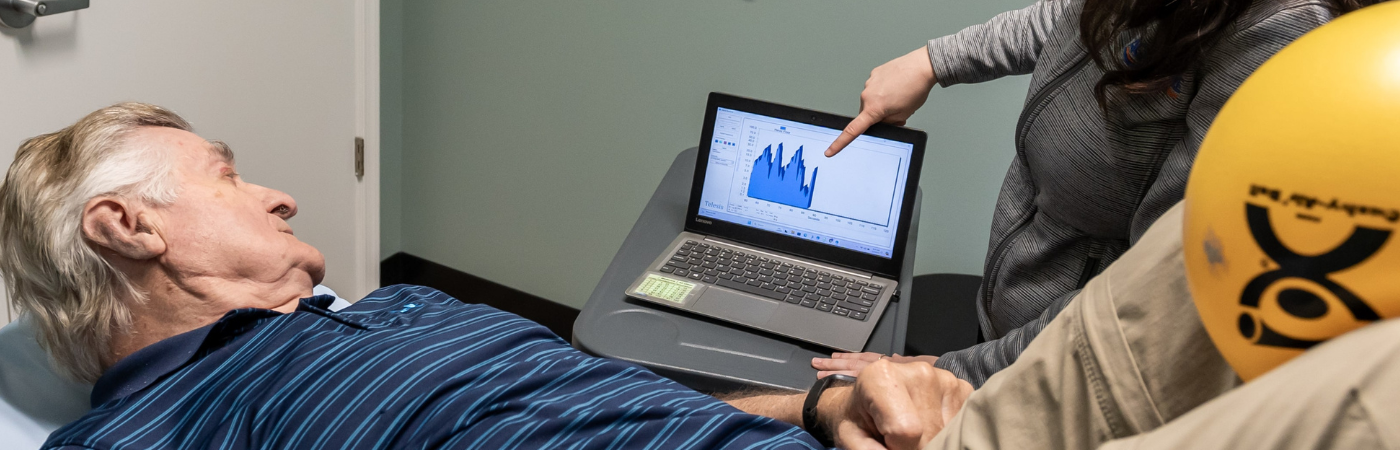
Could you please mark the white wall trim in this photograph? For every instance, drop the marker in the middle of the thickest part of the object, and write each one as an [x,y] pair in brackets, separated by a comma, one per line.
[367,126]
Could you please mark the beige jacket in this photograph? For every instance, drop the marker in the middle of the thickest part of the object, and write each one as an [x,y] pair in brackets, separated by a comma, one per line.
[1128,364]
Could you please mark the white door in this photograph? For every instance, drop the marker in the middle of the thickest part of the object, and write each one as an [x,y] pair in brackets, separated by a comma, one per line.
[288,84]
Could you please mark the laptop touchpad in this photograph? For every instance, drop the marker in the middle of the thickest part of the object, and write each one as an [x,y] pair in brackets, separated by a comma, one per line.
[735,307]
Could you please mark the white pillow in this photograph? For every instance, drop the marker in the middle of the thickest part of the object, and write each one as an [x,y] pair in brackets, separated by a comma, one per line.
[34,399]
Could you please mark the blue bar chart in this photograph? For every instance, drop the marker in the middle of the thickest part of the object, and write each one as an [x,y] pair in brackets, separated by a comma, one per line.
[858,186]
[777,181]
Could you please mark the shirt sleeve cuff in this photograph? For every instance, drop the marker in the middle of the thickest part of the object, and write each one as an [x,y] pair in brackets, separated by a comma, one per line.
[943,69]
[949,362]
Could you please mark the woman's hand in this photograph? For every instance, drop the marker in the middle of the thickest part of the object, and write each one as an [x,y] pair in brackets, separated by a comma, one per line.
[852,363]
[894,91]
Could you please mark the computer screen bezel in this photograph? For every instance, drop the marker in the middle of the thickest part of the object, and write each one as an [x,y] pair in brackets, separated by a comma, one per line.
[889,268]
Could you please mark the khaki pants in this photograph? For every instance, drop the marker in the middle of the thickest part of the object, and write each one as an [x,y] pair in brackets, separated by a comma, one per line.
[1128,365]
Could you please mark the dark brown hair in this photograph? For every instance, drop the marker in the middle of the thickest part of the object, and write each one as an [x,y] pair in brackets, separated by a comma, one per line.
[1182,31]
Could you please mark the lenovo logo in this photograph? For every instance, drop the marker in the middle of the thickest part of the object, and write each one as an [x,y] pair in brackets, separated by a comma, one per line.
[706,222]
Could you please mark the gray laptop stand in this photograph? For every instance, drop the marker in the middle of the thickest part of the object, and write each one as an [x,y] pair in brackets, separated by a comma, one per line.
[706,354]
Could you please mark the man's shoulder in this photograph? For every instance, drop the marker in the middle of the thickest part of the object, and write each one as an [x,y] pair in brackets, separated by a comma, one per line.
[1155,262]
[405,291]
[407,307]
[347,353]
[400,295]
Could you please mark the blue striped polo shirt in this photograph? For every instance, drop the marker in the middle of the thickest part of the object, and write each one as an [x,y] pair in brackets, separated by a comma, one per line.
[406,367]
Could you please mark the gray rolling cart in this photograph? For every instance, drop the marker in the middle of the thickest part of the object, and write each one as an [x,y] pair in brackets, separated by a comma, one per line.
[705,354]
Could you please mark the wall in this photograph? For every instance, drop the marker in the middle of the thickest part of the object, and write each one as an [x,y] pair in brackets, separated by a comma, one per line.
[279,88]
[533,132]
[390,127]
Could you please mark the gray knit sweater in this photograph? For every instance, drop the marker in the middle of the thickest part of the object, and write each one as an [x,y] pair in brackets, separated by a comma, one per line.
[1086,184]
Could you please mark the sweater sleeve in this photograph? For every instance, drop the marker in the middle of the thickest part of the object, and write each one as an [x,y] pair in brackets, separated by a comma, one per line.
[1006,45]
[977,363]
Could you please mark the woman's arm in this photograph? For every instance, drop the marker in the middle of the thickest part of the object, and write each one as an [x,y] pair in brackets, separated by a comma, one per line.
[979,362]
[974,364]
[1006,45]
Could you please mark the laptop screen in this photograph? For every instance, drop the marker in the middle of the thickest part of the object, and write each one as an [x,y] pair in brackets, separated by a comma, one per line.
[770,174]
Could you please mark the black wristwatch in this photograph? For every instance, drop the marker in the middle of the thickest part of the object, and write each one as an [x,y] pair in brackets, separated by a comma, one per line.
[815,427]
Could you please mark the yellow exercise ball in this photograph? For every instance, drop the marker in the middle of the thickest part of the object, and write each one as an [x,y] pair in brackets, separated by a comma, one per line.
[1293,203]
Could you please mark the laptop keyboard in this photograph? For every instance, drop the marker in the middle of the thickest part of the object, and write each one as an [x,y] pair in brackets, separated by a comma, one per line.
[779,280]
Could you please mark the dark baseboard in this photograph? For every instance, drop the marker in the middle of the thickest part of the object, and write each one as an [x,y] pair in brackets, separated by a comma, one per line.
[403,268]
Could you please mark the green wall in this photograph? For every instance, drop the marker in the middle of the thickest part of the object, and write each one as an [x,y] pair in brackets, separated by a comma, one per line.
[530,134]
[390,127]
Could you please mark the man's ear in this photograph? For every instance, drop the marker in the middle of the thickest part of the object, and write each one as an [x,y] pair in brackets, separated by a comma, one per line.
[119,226]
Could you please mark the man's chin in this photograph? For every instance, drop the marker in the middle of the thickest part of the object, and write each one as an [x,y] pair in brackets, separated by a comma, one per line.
[309,260]
[316,267]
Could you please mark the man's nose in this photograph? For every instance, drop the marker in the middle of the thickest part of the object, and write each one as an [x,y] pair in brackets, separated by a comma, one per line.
[279,203]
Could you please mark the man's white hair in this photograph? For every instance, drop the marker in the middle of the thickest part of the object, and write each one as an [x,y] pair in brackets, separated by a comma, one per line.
[51,271]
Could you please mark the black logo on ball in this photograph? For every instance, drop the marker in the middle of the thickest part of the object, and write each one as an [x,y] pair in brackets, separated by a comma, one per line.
[1302,303]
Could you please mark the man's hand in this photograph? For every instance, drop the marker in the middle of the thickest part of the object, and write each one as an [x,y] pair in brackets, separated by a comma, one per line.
[852,363]
[893,406]
[894,91]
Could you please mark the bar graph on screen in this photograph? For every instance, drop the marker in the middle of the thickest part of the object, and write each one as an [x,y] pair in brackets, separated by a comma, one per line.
[779,182]
[859,186]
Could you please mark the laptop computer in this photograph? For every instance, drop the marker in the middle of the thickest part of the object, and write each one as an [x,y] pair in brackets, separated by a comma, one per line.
[782,239]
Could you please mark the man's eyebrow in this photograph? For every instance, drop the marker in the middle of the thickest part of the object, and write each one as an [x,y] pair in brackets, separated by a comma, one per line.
[222,150]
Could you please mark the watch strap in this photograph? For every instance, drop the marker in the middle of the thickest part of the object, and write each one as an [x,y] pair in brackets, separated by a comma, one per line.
[810,421]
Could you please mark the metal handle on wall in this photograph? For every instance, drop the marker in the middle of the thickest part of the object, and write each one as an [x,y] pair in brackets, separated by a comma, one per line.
[21,13]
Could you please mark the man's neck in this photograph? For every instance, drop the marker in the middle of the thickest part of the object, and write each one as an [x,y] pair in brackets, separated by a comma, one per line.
[173,307]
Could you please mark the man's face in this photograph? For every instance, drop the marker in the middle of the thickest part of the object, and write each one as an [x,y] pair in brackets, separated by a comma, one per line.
[221,227]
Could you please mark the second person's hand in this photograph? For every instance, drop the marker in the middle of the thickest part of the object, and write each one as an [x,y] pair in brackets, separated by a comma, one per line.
[894,91]
[852,363]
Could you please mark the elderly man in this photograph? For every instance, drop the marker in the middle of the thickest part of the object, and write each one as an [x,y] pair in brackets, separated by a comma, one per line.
[153,269]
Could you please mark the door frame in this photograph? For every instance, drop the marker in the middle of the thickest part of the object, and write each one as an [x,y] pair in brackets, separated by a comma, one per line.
[367,126]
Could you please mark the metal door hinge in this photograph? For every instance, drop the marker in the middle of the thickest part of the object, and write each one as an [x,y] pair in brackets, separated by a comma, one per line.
[21,13]
[359,157]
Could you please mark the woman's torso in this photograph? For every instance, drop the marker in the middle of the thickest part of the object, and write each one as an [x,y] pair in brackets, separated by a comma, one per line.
[1073,199]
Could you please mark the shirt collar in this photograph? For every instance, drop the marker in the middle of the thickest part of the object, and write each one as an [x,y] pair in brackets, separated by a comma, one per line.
[152,363]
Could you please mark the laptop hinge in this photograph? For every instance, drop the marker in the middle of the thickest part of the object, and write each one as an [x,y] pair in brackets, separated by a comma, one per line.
[751,249]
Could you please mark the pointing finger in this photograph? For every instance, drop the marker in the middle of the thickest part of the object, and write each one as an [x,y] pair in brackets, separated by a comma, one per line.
[853,130]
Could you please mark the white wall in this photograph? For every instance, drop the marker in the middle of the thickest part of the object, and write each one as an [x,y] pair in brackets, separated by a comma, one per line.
[275,79]
[534,131]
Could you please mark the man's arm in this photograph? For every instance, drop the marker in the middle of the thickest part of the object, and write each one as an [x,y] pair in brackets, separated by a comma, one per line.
[891,405]
[776,404]
[1128,354]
